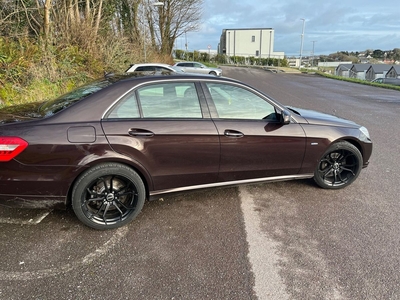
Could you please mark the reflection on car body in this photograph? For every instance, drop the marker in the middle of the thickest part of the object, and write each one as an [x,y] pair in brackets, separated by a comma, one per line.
[106,147]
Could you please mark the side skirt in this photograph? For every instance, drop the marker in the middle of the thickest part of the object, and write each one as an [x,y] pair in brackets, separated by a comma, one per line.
[155,194]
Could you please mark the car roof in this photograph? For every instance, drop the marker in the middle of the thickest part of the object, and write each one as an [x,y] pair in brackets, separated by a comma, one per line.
[84,109]
[151,64]
[139,76]
[119,83]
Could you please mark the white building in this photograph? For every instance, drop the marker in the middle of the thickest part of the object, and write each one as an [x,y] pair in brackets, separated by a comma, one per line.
[252,42]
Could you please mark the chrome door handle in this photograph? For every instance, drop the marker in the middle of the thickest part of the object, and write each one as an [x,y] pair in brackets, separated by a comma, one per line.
[233,133]
[140,132]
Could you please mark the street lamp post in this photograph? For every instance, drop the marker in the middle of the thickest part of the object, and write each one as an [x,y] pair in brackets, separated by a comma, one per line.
[186,46]
[302,40]
[229,47]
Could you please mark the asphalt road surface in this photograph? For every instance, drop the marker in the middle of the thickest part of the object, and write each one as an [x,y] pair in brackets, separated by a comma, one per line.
[286,240]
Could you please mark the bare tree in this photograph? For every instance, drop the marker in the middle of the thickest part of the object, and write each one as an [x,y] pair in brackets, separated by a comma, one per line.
[87,22]
[174,18]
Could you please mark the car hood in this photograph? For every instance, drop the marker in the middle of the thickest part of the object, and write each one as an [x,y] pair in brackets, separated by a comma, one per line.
[318,118]
[19,113]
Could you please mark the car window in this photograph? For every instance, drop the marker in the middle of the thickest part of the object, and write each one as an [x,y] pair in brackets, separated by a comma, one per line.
[197,65]
[145,68]
[51,107]
[170,100]
[185,64]
[126,108]
[233,102]
[162,69]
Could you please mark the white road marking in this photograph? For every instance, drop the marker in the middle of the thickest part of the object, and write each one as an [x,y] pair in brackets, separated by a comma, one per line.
[89,258]
[20,221]
[262,253]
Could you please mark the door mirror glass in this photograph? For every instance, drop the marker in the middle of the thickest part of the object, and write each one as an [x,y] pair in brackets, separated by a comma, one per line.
[285,117]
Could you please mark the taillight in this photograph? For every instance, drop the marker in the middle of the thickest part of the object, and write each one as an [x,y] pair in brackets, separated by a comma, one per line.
[10,147]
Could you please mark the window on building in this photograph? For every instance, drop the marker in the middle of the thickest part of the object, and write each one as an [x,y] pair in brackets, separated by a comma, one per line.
[253,38]
[257,53]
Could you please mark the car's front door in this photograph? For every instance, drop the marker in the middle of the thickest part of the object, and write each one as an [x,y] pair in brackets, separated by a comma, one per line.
[166,129]
[254,143]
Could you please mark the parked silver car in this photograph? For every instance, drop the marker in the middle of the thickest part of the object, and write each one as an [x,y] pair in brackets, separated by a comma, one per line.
[393,81]
[196,67]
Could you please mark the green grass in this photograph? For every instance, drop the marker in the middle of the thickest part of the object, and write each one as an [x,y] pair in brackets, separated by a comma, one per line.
[359,81]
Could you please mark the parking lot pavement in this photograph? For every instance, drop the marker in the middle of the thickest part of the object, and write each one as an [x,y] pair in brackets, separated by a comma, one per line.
[189,246]
[22,216]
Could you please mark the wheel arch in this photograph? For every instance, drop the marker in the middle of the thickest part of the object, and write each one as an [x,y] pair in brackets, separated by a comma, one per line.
[340,165]
[138,168]
[356,143]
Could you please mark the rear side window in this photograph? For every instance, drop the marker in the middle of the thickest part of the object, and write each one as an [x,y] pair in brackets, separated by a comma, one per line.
[169,100]
[145,69]
[185,65]
[126,108]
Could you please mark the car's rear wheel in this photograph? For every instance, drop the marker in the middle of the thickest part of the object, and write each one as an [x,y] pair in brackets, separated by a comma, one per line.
[339,166]
[107,196]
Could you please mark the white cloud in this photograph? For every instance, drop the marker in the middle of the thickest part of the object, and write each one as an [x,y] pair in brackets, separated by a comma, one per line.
[353,25]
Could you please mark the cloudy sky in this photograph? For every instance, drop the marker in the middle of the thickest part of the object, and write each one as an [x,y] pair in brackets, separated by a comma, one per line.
[352,25]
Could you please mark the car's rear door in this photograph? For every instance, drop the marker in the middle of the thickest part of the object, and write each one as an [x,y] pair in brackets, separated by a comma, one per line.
[166,128]
[254,143]
[199,68]
[186,67]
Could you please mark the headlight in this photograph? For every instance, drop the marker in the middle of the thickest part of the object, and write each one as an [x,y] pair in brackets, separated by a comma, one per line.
[364,136]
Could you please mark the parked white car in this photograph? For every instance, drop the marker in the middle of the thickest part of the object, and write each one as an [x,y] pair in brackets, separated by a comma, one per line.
[196,67]
[153,67]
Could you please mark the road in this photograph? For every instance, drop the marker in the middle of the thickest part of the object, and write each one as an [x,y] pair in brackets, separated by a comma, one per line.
[286,240]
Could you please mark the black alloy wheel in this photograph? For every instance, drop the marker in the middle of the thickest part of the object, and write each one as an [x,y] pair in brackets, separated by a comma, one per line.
[339,166]
[108,196]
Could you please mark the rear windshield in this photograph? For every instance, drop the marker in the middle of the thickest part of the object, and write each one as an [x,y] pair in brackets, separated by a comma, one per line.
[53,106]
[37,110]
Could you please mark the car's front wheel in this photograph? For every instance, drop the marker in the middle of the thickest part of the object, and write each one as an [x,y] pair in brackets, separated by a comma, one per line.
[339,166]
[108,195]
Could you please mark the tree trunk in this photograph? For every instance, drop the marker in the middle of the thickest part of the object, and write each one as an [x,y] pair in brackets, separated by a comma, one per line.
[46,21]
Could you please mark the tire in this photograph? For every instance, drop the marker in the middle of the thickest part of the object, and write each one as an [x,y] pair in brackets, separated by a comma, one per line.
[108,196]
[213,73]
[339,166]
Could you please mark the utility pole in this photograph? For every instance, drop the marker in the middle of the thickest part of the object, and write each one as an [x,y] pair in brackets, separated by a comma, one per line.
[302,41]
[313,45]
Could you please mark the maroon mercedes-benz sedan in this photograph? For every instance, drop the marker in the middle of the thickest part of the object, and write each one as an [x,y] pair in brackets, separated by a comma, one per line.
[107,146]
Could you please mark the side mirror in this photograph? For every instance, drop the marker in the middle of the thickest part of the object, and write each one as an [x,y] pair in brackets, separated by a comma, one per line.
[285,117]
